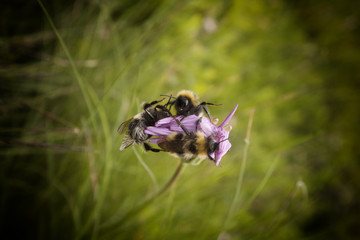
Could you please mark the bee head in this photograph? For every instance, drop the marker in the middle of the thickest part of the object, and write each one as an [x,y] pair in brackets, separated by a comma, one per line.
[185,102]
[213,146]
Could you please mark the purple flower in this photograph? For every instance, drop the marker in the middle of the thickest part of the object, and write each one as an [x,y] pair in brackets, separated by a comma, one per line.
[220,133]
[165,126]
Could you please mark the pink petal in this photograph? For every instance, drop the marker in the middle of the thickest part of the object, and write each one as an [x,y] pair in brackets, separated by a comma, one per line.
[157,131]
[188,122]
[227,119]
[164,121]
[207,127]
[223,149]
[223,146]
[156,140]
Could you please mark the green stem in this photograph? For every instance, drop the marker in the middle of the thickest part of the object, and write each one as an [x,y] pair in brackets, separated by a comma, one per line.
[146,203]
[241,174]
[68,55]
[263,182]
[147,169]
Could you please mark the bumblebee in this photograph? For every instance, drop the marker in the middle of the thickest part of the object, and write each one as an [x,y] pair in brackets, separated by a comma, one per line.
[135,126]
[189,146]
[186,103]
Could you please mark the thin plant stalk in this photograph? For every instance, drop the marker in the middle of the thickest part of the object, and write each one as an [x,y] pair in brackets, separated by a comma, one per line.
[51,116]
[147,169]
[92,169]
[241,174]
[146,203]
[46,145]
[300,185]
[264,181]
[93,107]
[68,55]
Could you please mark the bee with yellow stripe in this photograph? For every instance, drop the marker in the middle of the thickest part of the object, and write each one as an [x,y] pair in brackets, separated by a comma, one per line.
[186,103]
[189,146]
[133,129]
[192,137]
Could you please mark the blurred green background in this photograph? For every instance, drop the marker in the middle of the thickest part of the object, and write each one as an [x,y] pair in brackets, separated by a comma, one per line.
[72,71]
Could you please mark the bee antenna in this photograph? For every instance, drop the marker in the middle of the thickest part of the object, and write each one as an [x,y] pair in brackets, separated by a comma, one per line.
[225,139]
[167,96]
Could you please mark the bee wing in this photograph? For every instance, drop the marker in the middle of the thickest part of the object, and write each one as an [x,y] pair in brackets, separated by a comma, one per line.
[127,141]
[123,128]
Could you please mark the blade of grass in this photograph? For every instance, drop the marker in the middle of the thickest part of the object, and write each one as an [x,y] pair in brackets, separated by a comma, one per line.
[133,212]
[93,108]
[74,210]
[278,218]
[108,163]
[263,182]
[241,175]
[147,169]
[67,53]
[92,170]
[51,116]
[45,145]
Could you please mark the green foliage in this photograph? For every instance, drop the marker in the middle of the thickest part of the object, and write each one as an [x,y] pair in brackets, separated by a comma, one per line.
[63,177]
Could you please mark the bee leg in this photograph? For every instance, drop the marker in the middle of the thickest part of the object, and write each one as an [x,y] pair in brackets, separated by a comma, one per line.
[203,106]
[211,158]
[149,148]
[198,123]
[177,120]
[147,105]
[188,160]
[162,107]
[169,103]
[182,126]
[150,115]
